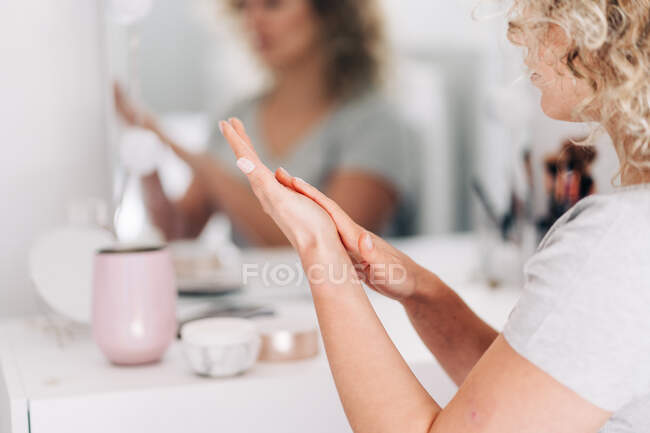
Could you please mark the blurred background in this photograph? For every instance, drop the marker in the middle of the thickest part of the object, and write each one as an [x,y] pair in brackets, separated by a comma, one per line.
[451,81]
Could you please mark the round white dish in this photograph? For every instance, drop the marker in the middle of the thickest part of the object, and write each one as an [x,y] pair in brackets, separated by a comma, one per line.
[61,267]
[221,347]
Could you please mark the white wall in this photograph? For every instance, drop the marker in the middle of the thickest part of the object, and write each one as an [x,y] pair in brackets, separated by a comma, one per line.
[52,92]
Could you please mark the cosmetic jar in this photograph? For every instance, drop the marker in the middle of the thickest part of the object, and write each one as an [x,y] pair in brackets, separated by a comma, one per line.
[287,339]
[220,347]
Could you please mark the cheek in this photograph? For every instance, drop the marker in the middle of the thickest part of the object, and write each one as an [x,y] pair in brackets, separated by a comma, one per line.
[296,32]
[561,95]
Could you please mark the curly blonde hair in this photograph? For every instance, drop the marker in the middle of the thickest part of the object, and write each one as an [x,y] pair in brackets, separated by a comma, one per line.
[353,38]
[610,48]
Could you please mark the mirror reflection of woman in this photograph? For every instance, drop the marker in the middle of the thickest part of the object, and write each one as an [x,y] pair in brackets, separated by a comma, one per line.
[322,117]
[574,356]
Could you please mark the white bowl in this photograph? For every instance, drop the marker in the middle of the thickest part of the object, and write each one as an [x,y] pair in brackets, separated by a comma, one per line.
[221,347]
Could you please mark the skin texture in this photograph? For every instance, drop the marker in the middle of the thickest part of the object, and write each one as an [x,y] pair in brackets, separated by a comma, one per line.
[285,35]
[561,92]
[443,321]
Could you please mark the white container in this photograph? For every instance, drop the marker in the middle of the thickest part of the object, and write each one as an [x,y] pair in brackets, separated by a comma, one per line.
[221,347]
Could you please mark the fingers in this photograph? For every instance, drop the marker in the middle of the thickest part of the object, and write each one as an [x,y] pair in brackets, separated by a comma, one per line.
[374,250]
[284,177]
[238,125]
[121,103]
[117,91]
[348,229]
[247,159]
[130,112]
[260,177]
[377,255]
[367,249]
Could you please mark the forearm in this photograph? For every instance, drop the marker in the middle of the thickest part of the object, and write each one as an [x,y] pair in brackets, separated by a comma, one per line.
[163,211]
[456,336]
[377,388]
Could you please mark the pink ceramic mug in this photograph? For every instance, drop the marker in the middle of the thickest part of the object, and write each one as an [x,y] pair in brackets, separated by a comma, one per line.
[134,304]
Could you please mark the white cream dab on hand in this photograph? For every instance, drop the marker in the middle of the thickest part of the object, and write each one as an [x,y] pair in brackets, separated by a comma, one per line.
[245,165]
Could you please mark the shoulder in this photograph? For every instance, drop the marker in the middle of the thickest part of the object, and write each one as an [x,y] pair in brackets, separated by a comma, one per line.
[599,249]
[586,298]
[595,239]
[596,227]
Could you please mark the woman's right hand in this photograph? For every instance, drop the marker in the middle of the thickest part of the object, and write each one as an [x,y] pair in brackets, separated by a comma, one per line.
[131,114]
[135,116]
[381,266]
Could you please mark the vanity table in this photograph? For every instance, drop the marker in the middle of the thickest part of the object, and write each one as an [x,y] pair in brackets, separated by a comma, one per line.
[53,379]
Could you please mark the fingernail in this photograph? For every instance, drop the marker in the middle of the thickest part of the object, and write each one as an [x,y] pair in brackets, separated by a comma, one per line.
[245,165]
[221,126]
[300,179]
[284,171]
[368,242]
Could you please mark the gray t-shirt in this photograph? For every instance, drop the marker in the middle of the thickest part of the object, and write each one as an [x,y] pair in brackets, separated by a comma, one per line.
[584,316]
[365,134]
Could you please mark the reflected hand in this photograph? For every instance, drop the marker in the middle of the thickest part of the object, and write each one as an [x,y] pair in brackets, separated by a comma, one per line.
[303,222]
[131,114]
[140,118]
[381,266]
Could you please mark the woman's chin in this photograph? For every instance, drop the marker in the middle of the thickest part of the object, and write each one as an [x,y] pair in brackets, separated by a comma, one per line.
[267,57]
[556,111]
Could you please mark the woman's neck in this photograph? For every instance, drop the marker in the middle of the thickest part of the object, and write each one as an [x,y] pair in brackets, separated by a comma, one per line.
[301,84]
[630,175]
[298,102]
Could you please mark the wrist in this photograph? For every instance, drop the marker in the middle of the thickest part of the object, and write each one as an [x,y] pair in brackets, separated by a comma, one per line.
[318,248]
[427,286]
[147,121]
[323,257]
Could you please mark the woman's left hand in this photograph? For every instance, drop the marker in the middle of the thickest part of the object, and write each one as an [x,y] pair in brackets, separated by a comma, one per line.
[303,222]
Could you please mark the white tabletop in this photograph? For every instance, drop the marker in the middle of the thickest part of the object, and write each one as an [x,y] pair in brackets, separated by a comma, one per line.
[54,372]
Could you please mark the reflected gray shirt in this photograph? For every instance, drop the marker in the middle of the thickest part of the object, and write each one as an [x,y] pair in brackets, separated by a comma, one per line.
[584,316]
[365,134]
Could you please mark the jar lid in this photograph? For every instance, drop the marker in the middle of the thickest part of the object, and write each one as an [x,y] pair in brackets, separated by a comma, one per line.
[219,331]
[288,339]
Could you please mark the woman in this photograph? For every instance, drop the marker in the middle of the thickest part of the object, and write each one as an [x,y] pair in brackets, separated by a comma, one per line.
[322,118]
[575,353]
